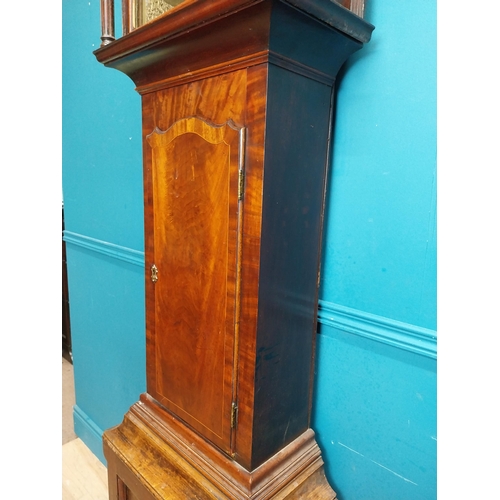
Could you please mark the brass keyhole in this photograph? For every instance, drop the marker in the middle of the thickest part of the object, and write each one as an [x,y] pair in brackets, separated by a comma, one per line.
[154,273]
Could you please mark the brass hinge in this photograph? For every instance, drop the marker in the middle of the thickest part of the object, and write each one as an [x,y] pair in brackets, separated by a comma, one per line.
[241,183]
[234,414]
[241,164]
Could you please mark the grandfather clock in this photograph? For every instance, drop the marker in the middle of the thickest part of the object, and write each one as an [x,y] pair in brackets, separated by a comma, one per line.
[236,119]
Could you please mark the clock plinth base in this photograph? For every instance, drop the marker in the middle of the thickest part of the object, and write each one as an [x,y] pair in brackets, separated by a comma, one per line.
[149,459]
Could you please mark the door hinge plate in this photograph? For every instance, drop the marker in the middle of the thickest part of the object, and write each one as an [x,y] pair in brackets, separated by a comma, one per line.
[241,183]
[234,414]
[241,166]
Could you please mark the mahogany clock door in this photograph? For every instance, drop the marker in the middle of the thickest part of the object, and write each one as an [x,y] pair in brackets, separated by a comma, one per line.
[196,169]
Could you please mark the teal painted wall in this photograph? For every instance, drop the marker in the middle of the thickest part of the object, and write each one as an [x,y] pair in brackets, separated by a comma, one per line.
[375,399]
[102,191]
[380,245]
[375,395]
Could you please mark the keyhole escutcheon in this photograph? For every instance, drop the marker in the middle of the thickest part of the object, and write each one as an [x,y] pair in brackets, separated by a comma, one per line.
[154,273]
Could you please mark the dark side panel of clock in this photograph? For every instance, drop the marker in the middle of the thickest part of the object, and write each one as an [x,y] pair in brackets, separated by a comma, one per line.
[195,191]
[297,125]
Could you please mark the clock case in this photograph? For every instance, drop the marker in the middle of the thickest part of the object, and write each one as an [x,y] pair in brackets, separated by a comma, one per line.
[237,114]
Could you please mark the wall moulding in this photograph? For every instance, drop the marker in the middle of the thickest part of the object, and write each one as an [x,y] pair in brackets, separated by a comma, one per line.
[104,247]
[418,340]
[422,341]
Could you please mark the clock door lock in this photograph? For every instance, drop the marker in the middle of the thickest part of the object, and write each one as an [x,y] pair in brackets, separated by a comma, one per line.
[154,273]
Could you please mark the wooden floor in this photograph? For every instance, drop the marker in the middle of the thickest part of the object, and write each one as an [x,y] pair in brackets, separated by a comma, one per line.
[84,477]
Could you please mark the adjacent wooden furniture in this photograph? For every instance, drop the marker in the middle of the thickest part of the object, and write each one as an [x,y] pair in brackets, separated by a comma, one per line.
[237,100]
[66,324]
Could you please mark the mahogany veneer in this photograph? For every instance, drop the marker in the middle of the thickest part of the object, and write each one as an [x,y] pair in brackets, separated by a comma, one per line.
[237,103]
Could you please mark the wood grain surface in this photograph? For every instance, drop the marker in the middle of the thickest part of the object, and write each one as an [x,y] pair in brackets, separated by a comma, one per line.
[195,167]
